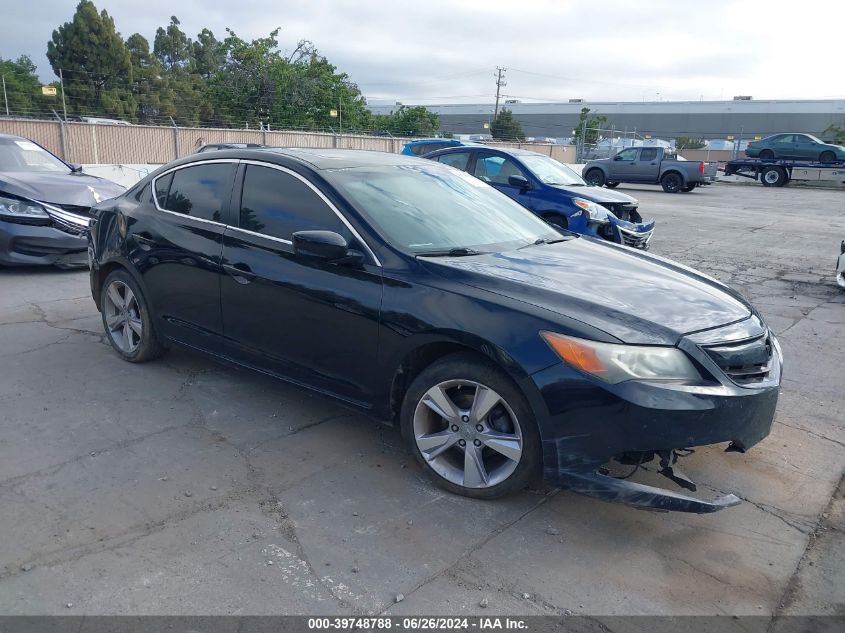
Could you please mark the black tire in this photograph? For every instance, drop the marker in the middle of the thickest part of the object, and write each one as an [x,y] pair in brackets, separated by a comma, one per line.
[611,184]
[595,177]
[148,346]
[672,182]
[557,221]
[688,188]
[773,176]
[474,367]
[827,157]
[767,154]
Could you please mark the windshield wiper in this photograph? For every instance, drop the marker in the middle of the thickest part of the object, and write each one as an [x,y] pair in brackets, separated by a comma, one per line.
[460,251]
[543,240]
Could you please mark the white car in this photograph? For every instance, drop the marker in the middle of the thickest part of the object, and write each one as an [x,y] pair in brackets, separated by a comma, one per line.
[840,266]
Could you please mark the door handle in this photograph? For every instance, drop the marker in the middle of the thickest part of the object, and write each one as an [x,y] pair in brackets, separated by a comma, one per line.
[240,273]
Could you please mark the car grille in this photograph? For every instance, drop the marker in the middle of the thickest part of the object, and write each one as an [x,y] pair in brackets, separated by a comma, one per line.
[626,211]
[745,362]
[69,218]
[635,239]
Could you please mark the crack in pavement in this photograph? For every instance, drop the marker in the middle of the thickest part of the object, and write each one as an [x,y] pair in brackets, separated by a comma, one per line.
[478,545]
[792,584]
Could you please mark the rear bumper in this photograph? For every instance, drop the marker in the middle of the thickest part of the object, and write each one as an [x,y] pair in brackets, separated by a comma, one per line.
[585,424]
[32,245]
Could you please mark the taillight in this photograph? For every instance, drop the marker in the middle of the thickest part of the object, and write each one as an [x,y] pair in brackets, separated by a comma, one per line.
[700,168]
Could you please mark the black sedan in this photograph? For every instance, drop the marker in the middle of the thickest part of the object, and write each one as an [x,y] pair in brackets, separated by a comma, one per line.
[504,349]
[44,206]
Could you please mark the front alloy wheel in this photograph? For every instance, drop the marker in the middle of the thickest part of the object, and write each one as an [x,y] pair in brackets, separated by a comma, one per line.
[468,434]
[470,427]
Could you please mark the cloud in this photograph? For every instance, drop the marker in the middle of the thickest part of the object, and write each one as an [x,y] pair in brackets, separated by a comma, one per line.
[447,51]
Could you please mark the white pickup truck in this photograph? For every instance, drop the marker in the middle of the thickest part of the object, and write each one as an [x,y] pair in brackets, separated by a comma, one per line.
[650,165]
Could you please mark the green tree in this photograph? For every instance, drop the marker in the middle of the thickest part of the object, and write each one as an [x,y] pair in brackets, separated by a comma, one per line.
[686,142]
[172,47]
[146,78]
[23,88]
[593,127]
[95,63]
[505,127]
[208,54]
[836,133]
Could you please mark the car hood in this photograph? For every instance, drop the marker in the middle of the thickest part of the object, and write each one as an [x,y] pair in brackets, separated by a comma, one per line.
[596,194]
[69,189]
[634,297]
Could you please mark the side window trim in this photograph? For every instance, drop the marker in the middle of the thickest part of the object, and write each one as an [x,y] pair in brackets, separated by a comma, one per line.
[185,166]
[320,195]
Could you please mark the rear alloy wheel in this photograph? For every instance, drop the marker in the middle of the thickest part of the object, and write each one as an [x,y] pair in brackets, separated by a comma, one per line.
[827,157]
[767,154]
[595,177]
[672,182]
[470,427]
[126,319]
[611,184]
[773,177]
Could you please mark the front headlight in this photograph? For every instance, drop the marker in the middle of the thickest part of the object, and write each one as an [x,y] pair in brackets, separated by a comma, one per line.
[594,212]
[618,363]
[16,208]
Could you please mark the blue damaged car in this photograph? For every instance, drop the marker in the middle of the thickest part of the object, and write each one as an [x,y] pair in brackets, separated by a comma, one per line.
[554,192]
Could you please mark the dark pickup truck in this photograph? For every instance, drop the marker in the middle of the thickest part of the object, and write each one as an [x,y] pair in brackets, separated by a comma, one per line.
[650,165]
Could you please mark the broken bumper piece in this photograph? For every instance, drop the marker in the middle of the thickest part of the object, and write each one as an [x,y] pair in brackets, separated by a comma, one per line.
[640,495]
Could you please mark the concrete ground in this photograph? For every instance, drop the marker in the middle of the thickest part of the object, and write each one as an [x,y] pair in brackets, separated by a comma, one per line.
[185,487]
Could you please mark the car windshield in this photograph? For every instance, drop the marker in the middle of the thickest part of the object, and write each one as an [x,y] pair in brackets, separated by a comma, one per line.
[550,172]
[18,154]
[435,209]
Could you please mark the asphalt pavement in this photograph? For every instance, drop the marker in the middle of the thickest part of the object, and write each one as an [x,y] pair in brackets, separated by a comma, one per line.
[185,487]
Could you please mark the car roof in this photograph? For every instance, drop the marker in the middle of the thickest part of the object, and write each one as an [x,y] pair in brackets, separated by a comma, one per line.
[13,136]
[319,159]
[423,141]
[478,146]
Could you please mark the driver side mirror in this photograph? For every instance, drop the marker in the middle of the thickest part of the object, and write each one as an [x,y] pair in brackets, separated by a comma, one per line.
[75,169]
[325,245]
[617,157]
[519,181]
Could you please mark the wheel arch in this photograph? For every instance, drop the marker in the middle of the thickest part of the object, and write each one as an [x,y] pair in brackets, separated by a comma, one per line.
[428,352]
[673,170]
[101,273]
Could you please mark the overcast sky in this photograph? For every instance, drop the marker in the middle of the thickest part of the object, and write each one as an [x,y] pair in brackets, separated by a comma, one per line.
[446,51]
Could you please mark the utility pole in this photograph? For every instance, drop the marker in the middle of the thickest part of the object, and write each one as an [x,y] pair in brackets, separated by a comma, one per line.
[5,99]
[62,83]
[500,83]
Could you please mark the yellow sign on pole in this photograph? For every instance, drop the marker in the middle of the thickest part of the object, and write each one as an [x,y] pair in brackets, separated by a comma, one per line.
[48,91]
[333,113]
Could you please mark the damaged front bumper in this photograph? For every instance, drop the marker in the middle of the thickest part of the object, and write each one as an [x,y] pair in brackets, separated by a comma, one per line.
[61,241]
[585,425]
[633,234]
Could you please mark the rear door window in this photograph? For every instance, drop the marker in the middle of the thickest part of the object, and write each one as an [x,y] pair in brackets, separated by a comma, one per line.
[201,191]
[162,187]
[648,154]
[458,160]
[496,169]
